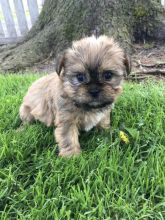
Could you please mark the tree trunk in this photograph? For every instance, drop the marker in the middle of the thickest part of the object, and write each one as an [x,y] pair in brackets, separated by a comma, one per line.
[62,21]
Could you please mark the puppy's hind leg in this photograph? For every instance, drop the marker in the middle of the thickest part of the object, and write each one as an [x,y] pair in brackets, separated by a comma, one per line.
[25,114]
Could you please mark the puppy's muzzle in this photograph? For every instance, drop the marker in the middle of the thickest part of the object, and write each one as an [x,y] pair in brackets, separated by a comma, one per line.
[94,92]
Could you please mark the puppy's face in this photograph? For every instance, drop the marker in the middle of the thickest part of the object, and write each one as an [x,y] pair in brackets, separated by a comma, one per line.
[92,71]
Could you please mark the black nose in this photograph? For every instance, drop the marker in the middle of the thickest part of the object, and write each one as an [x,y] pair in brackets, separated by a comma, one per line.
[94,92]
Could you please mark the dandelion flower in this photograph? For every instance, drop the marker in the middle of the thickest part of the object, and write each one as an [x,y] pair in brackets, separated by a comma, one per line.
[124,137]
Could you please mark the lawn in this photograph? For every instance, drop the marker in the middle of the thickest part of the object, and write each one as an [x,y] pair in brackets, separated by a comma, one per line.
[110,180]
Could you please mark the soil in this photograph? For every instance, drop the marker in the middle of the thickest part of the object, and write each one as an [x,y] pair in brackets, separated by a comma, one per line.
[148,61]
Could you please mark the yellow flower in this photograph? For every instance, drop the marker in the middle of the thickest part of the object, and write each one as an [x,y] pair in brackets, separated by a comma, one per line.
[124,137]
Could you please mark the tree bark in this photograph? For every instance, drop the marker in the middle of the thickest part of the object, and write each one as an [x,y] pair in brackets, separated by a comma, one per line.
[62,21]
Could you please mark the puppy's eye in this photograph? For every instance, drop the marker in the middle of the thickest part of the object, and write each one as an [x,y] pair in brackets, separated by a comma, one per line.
[107,75]
[81,77]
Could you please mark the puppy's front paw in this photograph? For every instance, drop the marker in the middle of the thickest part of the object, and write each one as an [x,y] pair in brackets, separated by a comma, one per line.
[103,126]
[69,152]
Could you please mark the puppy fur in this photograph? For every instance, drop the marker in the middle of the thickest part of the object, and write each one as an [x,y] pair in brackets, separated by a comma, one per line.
[79,95]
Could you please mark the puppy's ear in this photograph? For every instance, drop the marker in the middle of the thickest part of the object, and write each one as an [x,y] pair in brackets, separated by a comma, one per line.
[127,64]
[60,63]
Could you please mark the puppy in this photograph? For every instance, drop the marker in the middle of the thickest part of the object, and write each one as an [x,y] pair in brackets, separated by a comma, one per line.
[80,94]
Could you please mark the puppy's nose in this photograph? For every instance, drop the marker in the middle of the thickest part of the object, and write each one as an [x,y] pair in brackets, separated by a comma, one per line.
[94,92]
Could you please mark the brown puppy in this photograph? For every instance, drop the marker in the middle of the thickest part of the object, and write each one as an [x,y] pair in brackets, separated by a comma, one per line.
[80,94]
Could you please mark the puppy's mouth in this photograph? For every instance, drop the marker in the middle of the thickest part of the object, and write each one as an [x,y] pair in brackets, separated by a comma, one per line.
[93,105]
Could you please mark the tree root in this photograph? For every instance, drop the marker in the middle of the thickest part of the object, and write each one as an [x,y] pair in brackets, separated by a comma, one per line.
[149,72]
[145,74]
[154,65]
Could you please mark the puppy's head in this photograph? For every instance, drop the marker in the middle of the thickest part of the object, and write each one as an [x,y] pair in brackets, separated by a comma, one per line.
[92,71]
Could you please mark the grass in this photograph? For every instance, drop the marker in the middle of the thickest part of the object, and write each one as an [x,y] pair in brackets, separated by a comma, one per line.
[110,180]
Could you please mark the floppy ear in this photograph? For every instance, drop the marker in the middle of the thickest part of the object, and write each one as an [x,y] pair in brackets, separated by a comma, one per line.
[127,64]
[60,62]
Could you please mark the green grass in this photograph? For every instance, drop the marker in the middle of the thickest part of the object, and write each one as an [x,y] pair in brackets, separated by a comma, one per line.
[110,180]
